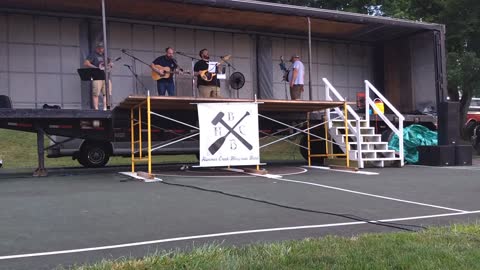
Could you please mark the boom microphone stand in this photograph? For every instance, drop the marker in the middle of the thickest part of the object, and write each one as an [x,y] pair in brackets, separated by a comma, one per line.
[133,72]
[193,59]
[230,67]
[136,78]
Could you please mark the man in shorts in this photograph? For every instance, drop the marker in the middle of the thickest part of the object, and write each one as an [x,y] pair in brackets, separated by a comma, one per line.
[96,60]
[296,77]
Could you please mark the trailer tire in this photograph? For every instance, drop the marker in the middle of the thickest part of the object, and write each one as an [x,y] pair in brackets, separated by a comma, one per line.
[94,154]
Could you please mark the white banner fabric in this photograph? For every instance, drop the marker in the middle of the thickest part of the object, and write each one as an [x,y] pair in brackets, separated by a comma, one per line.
[228,134]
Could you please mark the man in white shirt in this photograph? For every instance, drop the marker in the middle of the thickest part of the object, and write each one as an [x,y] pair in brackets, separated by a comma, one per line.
[296,77]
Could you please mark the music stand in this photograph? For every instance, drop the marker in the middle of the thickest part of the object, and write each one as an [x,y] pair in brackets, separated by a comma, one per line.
[91,74]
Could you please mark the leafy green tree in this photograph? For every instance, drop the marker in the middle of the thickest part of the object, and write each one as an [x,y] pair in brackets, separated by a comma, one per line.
[462,20]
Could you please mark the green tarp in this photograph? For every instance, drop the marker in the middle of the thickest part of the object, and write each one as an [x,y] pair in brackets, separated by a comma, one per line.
[413,136]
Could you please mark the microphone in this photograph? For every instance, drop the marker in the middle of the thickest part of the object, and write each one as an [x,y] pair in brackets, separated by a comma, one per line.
[118,58]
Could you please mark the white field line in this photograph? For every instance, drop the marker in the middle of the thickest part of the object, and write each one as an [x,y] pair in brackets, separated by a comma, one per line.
[365,194]
[345,171]
[203,236]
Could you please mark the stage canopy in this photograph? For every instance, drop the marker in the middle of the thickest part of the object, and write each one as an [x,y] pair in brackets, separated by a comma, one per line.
[241,15]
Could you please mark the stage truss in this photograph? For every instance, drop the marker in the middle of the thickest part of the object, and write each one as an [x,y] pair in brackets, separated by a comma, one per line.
[157,106]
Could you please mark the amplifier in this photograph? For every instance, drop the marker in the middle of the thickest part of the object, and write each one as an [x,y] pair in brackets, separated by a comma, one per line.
[438,155]
[463,155]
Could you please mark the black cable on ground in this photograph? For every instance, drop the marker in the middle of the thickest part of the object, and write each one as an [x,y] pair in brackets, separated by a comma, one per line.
[347,216]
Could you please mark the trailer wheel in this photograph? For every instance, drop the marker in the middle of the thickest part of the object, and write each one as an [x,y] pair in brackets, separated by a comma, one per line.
[94,155]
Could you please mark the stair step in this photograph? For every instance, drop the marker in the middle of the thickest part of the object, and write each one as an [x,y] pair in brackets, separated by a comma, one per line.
[365,138]
[383,159]
[369,146]
[340,123]
[373,154]
[363,130]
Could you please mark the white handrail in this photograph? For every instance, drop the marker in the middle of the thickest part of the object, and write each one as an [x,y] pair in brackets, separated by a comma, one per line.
[356,130]
[384,100]
[369,102]
[339,97]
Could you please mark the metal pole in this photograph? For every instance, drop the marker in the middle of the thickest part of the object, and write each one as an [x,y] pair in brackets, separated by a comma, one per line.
[40,171]
[347,144]
[309,59]
[107,68]
[132,138]
[149,135]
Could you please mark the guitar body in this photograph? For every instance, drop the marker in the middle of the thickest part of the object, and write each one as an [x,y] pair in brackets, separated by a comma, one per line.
[206,76]
[156,76]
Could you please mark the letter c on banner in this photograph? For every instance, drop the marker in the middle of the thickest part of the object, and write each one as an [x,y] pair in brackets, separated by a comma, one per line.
[240,128]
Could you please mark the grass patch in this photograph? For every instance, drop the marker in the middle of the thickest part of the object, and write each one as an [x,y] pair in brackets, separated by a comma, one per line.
[455,247]
[19,150]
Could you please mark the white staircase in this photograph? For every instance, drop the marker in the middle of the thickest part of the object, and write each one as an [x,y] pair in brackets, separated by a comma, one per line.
[365,146]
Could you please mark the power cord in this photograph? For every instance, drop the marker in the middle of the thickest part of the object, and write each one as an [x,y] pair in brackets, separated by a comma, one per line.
[347,216]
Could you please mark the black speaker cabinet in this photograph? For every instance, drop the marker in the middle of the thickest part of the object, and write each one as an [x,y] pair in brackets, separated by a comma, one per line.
[448,123]
[463,155]
[441,155]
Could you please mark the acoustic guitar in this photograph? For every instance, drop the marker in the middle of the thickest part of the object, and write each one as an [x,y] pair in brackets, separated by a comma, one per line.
[208,76]
[167,72]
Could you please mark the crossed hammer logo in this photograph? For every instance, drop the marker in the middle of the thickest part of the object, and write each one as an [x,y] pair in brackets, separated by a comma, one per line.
[215,146]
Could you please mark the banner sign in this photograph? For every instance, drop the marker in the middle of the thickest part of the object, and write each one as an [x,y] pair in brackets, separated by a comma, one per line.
[228,134]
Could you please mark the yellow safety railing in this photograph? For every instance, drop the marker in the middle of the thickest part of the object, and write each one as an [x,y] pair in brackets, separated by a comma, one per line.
[328,143]
[134,141]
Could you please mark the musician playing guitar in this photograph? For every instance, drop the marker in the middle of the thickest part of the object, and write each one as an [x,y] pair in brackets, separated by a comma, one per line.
[207,88]
[96,60]
[166,83]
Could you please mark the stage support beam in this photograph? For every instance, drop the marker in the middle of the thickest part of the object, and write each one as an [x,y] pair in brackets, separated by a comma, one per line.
[309,59]
[107,67]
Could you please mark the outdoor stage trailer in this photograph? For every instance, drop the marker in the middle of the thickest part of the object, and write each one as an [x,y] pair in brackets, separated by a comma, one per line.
[177,118]
[45,42]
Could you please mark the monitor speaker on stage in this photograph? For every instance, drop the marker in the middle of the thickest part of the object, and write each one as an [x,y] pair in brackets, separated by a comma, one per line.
[448,123]
[463,155]
[438,155]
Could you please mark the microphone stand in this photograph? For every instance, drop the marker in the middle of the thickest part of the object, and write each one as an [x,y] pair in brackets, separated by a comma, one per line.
[230,66]
[137,79]
[193,59]
[133,72]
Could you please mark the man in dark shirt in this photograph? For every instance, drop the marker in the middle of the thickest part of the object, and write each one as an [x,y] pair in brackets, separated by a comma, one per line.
[166,84]
[206,88]
[96,60]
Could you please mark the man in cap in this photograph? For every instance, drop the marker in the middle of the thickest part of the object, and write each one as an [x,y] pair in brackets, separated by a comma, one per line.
[296,77]
[96,60]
